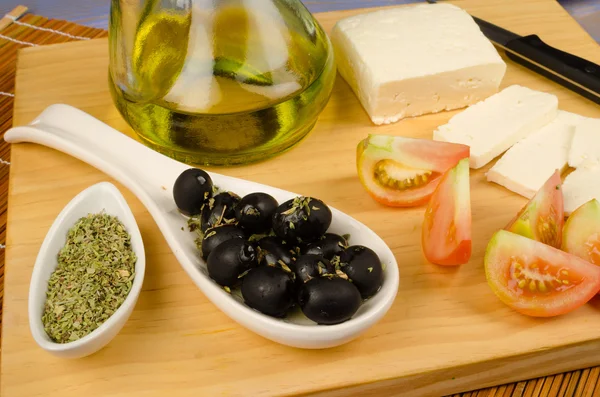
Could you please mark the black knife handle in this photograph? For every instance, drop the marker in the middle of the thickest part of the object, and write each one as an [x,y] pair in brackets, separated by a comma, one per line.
[575,73]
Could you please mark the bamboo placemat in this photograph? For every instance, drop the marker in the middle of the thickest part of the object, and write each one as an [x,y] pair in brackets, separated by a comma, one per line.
[18,29]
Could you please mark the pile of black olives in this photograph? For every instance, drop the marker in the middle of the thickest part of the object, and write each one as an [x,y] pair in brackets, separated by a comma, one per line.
[279,255]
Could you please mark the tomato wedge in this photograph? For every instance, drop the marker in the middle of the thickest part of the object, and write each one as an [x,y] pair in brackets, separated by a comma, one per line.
[446,232]
[536,279]
[542,219]
[403,172]
[581,236]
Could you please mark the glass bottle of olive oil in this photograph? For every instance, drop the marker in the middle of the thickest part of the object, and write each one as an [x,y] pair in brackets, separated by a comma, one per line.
[219,82]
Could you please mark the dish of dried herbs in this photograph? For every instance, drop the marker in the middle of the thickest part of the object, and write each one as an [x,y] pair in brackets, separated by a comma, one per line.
[94,275]
[277,256]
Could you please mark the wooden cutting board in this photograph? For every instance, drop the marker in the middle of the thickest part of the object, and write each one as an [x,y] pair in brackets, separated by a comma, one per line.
[445,333]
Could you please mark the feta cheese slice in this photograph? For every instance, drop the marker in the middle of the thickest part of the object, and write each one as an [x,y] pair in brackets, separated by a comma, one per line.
[413,60]
[493,125]
[586,143]
[580,186]
[526,166]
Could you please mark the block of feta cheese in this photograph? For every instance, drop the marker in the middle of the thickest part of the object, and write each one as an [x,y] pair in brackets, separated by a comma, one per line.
[526,166]
[492,126]
[414,60]
[585,147]
[580,186]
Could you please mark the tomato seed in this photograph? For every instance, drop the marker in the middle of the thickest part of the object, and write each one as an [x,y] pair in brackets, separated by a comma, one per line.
[542,286]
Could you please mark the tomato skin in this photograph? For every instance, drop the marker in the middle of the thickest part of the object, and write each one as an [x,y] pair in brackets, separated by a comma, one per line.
[459,256]
[405,203]
[446,231]
[421,155]
[542,218]
[581,234]
[580,279]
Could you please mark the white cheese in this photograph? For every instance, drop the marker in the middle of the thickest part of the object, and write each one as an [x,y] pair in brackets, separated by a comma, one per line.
[580,186]
[586,143]
[493,125]
[413,60]
[526,166]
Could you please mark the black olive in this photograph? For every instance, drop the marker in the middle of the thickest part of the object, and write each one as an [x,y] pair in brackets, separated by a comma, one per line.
[230,260]
[219,210]
[329,300]
[269,290]
[192,188]
[310,266]
[363,267]
[302,219]
[255,212]
[214,236]
[328,245]
[273,250]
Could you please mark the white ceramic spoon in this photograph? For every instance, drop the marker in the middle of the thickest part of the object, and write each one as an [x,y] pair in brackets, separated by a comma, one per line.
[150,176]
[100,197]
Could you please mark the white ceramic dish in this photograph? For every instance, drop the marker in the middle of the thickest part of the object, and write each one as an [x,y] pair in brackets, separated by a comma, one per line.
[150,176]
[100,197]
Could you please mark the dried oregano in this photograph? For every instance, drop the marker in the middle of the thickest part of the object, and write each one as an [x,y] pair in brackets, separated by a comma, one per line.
[95,271]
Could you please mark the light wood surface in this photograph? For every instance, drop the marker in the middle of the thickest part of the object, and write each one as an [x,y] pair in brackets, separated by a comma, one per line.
[446,332]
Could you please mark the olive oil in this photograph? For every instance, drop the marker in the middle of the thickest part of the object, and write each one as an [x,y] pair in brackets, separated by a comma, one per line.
[222,86]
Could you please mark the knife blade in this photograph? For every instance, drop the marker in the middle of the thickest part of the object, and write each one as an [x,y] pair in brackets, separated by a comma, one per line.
[573,72]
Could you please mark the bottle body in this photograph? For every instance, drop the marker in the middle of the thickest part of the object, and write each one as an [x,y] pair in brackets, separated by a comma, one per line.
[219,82]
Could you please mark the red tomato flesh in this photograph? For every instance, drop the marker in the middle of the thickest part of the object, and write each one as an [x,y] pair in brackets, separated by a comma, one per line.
[403,172]
[446,232]
[543,217]
[582,232]
[536,279]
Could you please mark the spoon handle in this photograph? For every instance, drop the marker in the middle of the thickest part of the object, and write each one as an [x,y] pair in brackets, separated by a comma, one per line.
[80,135]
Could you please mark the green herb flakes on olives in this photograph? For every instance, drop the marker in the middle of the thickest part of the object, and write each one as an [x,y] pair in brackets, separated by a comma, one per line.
[302,219]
